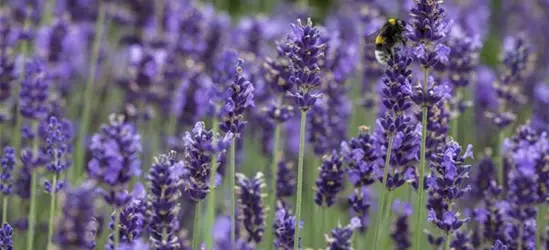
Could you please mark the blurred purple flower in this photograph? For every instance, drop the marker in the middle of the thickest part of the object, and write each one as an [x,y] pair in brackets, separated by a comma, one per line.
[401,230]
[6,235]
[330,180]
[285,229]
[340,238]
[8,165]
[250,202]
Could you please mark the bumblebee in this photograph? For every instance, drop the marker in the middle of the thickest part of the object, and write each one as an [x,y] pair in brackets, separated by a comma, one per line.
[390,34]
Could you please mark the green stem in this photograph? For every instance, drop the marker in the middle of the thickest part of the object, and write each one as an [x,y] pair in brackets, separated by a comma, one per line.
[210,213]
[421,196]
[47,14]
[5,209]
[274,180]
[455,121]
[33,194]
[232,171]
[300,178]
[499,158]
[116,227]
[384,193]
[52,212]
[540,224]
[196,227]
[448,241]
[16,138]
[88,93]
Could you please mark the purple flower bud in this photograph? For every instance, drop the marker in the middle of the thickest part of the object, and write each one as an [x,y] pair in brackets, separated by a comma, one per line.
[33,96]
[284,229]
[360,204]
[401,230]
[340,238]
[330,180]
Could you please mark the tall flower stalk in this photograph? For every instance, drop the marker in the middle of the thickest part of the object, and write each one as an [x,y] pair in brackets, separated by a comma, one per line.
[277,77]
[304,53]
[6,185]
[238,96]
[428,27]
[88,93]
[396,133]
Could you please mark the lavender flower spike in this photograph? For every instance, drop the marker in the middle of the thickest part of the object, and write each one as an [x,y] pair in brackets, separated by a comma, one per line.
[341,236]
[6,234]
[74,230]
[306,49]
[330,180]
[8,164]
[285,229]
[164,177]
[401,231]
[251,206]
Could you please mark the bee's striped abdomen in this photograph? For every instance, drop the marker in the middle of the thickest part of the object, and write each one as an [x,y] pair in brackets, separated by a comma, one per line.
[381,56]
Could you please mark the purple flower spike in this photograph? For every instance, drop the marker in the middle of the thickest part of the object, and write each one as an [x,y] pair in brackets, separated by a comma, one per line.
[428,27]
[74,229]
[401,230]
[132,223]
[340,238]
[286,182]
[115,158]
[499,246]
[165,181]
[200,147]
[306,49]
[361,156]
[285,229]
[238,97]
[8,164]
[250,201]
[330,180]
[33,96]
[360,204]
[6,234]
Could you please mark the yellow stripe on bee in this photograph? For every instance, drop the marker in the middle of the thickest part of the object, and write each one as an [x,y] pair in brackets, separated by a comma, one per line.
[392,21]
[379,39]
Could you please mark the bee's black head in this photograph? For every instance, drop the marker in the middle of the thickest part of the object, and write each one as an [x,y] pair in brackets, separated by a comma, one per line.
[401,23]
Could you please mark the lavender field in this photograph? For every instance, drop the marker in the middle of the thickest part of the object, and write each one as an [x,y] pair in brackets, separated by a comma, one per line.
[274,125]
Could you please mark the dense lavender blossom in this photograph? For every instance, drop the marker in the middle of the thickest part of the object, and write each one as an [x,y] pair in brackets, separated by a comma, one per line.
[438,118]
[305,51]
[286,181]
[200,147]
[360,204]
[285,229]
[499,246]
[361,156]
[395,125]
[320,131]
[237,97]
[488,217]
[401,229]
[33,96]
[250,201]
[115,158]
[8,38]
[462,241]
[6,234]
[165,178]
[427,28]
[446,186]
[330,180]
[57,136]
[517,65]
[340,238]
[74,228]
[8,165]
[132,223]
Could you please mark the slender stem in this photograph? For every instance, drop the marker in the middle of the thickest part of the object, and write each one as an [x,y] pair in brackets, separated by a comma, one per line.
[116,227]
[5,209]
[519,238]
[274,180]
[16,138]
[420,192]
[52,212]
[47,14]
[448,241]
[210,213]
[84,126]
[300,178]
[499,158]
[384,193]
[455,121]
[540,224]
[196,227]
[33,194]
[232,171]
